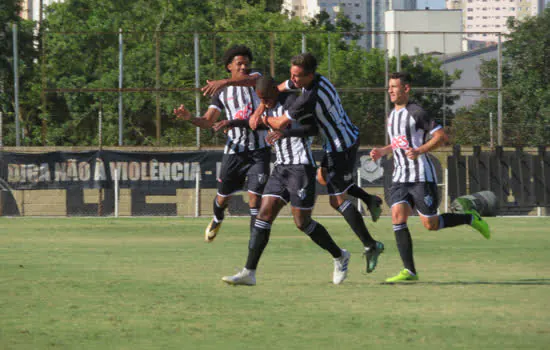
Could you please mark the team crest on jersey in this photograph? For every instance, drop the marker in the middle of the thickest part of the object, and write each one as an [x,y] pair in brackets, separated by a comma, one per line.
[429,200]
[302,193]
[348,177]
[262,178]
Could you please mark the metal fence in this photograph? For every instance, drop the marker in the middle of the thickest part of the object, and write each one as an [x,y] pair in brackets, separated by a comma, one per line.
[119,88]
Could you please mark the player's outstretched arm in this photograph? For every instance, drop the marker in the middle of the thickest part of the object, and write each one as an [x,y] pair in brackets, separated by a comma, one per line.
[204,122]
[213,86]
[276,123]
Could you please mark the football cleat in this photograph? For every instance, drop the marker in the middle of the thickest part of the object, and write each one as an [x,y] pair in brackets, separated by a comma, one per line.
[212,230]
[479,224]
[244,278]
[403,276]
[374,204]
[371,255]
[341,267]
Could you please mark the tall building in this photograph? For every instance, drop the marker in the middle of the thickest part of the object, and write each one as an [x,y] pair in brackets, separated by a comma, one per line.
[31,8]
[491,16]
[358,11]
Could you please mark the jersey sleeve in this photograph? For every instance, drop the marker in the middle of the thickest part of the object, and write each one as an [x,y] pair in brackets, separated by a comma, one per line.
[216,102]
[424,121]
[302,107]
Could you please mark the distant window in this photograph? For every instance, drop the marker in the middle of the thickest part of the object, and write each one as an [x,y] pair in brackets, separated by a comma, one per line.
[484,9]
[358,16]
[497,25]
[484,34]
[470,1]
[470,35]
[512,8]
[497,8]
[296,7]
[470,9]
[470,18]
[469,26]
[356,5]
[497,17]
[484,17]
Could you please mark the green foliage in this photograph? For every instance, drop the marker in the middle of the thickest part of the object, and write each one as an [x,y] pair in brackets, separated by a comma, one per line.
[81,50]
[526,86]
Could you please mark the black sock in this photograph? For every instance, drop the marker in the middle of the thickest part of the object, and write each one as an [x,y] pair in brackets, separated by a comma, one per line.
[319,234]
[259,237]
[356,222]
[358,192]
[253,214]
[405,246]
[219,212]
[452,219]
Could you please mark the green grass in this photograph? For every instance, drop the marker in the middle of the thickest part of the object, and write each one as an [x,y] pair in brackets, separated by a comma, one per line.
[152,283]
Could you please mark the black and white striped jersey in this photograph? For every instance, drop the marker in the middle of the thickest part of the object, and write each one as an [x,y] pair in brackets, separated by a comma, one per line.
[291,150]
[322,100]
[409,128]
[239,102]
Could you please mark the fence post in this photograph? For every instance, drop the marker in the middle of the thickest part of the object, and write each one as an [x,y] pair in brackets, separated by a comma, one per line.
[1,131]
[16,85]
[272,53]
[120,77]
[304,48]
[386,84]
[197,191]
[197,86]
[157,85]
[328,54]
[398,54]
[499,86]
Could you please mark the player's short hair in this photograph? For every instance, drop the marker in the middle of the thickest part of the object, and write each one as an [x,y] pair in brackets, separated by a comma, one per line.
[404,77]
[236,50]
[306,61]
[265,84]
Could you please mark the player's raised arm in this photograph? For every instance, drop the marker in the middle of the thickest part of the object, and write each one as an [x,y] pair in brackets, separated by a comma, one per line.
[213,86]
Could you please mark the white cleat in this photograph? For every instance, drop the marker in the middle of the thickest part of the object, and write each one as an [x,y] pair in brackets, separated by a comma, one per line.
[341,267]
[245,277]
[212,231]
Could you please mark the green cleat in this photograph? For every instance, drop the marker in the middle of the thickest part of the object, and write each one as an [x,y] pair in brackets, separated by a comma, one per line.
[372,254]
[403,276]
[374,204]
[479,224]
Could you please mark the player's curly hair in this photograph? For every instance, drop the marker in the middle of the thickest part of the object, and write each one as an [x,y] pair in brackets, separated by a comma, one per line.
[236,50]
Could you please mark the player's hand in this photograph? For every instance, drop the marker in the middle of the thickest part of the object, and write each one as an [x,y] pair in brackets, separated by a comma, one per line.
[212,86]
[273,136]
[376,153]
[181,113]
[254,121]
[412,153]
[223,124]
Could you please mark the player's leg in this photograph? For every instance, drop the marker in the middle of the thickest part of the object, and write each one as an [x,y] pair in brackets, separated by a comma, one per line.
[427,208]
[340,167]
[231,180]
[401,210]
[301,188]
[273,200]
[258,175]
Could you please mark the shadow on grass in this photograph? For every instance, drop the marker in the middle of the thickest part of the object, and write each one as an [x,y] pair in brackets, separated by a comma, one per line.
[521,282]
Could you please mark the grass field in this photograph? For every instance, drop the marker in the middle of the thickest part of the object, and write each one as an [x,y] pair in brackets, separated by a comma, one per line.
[152,283]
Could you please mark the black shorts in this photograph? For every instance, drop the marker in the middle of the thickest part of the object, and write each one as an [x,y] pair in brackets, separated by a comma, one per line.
[236,168]
[420,195]
[340,169]
[294,184]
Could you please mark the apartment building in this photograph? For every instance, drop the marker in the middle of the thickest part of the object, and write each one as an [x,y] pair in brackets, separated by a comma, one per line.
[490,16]
[31,8]
[367,13]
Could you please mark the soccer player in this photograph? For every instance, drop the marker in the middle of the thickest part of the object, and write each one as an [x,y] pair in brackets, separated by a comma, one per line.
[292,180]
[414,182]
[246,153]
[340,142]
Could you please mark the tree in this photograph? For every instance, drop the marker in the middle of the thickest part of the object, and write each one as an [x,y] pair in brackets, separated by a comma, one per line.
[526,84]
[27,53]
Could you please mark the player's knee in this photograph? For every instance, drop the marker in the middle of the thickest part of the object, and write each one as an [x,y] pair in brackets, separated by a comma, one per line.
[432,225]
[334,202]
[302,223]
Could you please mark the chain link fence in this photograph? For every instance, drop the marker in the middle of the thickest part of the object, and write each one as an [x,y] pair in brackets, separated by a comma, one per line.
[120,88]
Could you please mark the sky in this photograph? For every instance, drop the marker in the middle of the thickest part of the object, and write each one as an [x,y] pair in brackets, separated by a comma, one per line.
[432,4]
